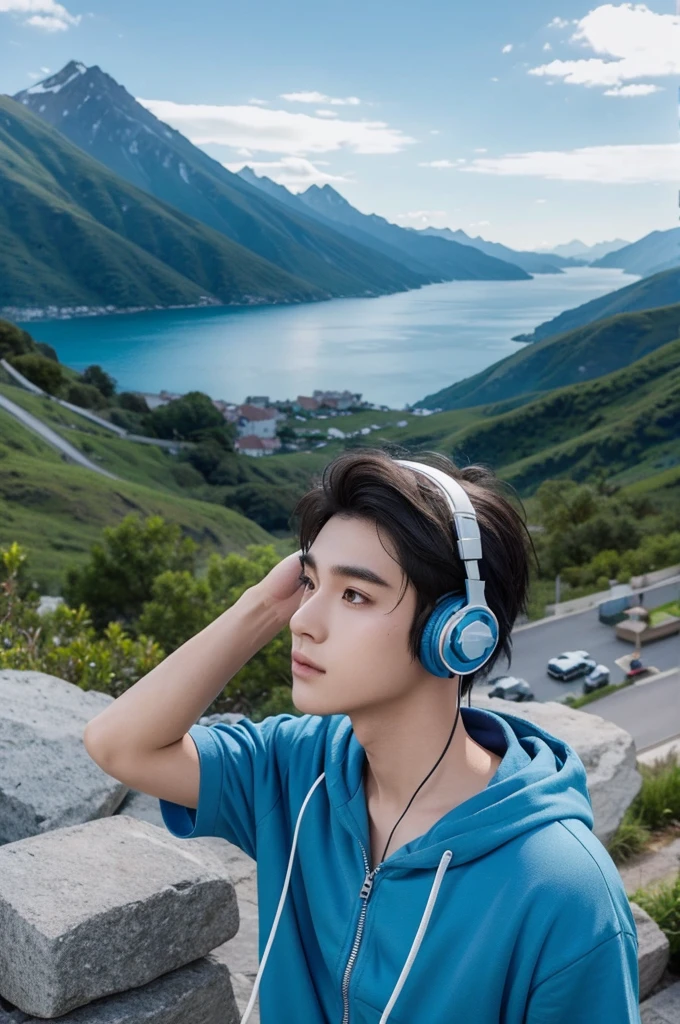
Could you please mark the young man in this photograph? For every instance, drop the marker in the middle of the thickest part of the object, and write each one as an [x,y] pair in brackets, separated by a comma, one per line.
[407,871]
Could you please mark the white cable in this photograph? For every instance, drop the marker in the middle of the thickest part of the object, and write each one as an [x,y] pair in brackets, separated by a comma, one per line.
[282,900]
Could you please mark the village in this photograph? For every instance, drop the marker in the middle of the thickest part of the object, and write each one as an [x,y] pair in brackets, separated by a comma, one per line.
[265,427]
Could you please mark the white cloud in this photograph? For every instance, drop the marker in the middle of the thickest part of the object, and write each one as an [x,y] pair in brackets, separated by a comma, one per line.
[547,46]
[435,131]
[494,79]
[276,131]
[507,48]
[437,163]
[326,113]
[558,23]
[295,173]
[640,89]
[44,14]
[479,223]
[624,165]
[632,42]
[541,201]
[258,103]
[482,150]
[320,97]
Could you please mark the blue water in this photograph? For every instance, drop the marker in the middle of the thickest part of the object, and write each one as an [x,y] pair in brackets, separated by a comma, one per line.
[394,350]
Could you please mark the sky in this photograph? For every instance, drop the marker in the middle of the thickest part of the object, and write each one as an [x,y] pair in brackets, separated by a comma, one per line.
[529,123]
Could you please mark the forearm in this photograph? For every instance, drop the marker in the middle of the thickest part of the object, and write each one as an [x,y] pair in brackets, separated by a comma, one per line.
[161,707]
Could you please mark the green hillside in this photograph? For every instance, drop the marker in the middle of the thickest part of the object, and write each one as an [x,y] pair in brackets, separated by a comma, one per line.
[661,289]
[576,356]
[626,422]
[72,233]
[57,510]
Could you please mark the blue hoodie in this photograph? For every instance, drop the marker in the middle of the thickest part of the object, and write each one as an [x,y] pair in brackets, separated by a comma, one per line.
[507,911]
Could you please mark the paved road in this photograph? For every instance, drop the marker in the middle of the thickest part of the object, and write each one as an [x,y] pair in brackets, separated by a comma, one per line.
[534,645]
[52,438]
[649,711]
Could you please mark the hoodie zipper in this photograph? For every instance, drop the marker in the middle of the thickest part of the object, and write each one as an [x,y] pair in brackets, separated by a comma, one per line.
[364,894]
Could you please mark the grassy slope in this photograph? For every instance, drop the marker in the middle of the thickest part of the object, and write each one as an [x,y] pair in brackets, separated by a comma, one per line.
[58,510]
[577,356]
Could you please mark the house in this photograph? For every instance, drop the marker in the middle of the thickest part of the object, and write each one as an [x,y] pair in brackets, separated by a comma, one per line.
[254,420]
[251,444]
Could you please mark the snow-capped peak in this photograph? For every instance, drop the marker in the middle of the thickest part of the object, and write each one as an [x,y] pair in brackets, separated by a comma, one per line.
[57,82]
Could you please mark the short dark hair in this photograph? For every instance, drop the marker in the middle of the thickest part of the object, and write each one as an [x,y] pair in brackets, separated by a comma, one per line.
[367,483]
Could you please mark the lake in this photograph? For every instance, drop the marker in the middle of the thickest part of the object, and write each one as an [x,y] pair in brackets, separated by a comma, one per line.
[395,349]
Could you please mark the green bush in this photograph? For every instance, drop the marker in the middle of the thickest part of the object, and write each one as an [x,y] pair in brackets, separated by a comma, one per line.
[63,642]
[662,903]
[99,379]
[132,402]
[656,806]
[118,578]
[85,395]
[42,372]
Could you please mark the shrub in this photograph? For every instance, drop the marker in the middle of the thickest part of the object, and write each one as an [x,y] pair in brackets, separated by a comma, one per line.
[42,372]
[662,903]
[85,396]
[99,379]
[132,402]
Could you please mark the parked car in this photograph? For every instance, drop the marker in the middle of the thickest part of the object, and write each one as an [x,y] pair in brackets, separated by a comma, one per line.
[570,665]
[595,679]
[510,688]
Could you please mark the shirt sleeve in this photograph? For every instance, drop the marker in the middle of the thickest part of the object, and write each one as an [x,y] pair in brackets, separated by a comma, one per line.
[240,781]
[601,986]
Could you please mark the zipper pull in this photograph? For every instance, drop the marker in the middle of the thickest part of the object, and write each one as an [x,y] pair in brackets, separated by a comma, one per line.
[368,883]
[366,887]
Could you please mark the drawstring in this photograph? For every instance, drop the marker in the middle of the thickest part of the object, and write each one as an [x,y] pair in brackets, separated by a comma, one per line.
[420,934]
[282,900]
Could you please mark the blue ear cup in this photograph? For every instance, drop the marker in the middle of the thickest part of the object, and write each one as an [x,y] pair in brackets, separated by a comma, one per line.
[457,637]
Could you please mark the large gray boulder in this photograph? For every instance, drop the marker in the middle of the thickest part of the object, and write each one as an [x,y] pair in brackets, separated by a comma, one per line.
[653,950]
[95,909]
[606,750]
[47,778]
[201,992]
[662,1008]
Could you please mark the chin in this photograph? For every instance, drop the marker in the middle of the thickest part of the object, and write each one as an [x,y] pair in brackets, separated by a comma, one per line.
[309,700]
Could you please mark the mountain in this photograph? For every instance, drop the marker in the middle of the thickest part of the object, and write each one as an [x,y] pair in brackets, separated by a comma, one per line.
[658,290]
[532,262]
[579,250]
[452,260]
[423,255]
[626,422]
[570,358]
[657,251]
[97,114]
[72,233]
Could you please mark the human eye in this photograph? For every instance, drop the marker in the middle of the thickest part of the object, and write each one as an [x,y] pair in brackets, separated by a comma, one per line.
[306,581]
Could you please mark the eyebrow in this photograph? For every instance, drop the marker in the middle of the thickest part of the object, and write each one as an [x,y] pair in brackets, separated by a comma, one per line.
[356,572]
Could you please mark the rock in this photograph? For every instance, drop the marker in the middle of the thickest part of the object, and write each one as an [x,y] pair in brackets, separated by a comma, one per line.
[95,909]
[201,992]
[606,750]
[653,950]
[663,1008]
[47,778]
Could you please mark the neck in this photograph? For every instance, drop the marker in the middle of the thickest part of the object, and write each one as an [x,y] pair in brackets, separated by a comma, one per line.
[404,740]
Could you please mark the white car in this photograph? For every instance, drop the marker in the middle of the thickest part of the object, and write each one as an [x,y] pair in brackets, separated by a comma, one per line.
[571,665]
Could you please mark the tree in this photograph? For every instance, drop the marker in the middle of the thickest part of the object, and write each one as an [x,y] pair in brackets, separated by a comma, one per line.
[42,372]
[119,576]
[188,418]
[99,379]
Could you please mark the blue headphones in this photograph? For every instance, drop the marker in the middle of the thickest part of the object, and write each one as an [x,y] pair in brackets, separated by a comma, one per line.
[461,633]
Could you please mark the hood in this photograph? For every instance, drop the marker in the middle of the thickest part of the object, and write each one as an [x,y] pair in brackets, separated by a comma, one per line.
[540,779]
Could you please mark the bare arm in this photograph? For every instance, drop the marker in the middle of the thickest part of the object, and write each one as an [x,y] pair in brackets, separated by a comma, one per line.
[142,737]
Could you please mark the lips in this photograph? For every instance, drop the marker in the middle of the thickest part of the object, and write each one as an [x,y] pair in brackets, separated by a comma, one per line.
[299,659]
